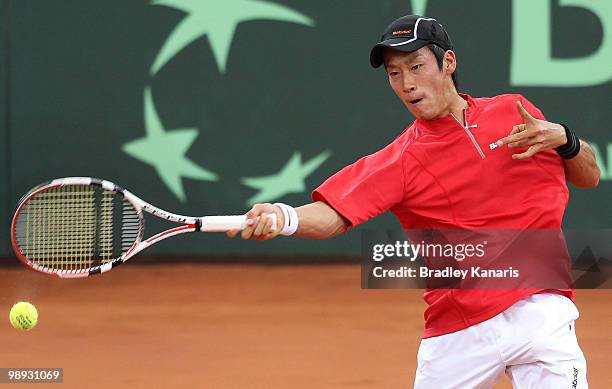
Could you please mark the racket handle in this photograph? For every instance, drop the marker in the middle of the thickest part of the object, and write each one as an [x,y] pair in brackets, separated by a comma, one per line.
[227,223]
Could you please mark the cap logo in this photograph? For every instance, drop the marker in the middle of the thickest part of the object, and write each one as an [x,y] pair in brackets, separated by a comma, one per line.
[402,32]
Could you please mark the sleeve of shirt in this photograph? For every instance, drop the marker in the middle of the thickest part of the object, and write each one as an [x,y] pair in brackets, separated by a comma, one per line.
[531,108]
[366,188]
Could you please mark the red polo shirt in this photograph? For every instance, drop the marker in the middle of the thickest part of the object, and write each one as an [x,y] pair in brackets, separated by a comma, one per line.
[443,174]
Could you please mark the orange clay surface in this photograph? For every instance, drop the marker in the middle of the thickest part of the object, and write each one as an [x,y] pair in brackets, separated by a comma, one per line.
[237,326]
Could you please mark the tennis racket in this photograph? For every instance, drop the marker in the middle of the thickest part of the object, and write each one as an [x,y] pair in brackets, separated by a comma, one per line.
[79,226]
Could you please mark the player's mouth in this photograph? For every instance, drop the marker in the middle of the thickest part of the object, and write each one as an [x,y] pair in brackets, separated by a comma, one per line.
[416,101]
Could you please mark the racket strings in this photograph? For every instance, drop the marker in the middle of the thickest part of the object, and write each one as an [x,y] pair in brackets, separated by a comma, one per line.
[76,227]
[60,227]
[131,226]
[105,241]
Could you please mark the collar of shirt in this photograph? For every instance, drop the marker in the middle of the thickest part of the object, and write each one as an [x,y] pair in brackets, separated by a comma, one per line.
[473,110]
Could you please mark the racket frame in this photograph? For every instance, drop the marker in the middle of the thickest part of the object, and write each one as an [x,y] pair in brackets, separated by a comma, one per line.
[191,224]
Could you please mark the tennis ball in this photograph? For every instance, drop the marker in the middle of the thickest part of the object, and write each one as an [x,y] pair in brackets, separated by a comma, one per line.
[23,316]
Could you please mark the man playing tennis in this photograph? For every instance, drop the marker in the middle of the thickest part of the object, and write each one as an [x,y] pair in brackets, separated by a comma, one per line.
[465,163]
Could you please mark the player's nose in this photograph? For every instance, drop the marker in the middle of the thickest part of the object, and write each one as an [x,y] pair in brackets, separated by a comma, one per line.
[408,85]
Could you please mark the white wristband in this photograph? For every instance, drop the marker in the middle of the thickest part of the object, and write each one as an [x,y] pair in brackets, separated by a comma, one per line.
[291,219]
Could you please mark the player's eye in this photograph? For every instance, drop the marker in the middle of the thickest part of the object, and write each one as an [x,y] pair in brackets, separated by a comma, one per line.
[417,66]
[393,73]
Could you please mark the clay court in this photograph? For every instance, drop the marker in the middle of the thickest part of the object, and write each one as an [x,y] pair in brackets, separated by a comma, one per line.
[237,326]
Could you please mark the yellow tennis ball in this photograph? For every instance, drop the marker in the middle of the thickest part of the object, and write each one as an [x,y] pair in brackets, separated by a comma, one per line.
[23,316]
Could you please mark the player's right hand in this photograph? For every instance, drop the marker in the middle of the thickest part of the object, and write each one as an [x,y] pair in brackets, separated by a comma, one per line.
[259,224]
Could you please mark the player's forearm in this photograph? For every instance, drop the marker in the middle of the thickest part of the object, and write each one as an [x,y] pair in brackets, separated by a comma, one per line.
[319,221]
[582,170]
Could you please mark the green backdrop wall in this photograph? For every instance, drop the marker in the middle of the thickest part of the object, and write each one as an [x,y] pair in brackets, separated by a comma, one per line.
[202,107]
[5,204]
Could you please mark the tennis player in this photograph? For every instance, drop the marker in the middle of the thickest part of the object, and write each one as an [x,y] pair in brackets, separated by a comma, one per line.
[465,163]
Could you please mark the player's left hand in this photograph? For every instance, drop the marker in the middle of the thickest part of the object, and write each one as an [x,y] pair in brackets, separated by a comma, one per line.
[536,135]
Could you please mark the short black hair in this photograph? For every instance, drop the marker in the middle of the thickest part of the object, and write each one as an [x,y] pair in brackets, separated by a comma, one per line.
[439,54]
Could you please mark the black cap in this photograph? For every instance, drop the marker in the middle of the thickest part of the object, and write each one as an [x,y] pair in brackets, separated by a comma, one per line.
[409,33]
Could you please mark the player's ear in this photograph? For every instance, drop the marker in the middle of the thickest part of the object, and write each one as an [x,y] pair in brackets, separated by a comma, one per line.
[449,62]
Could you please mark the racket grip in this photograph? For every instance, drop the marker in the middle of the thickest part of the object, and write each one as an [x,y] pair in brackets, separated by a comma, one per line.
[227,223]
